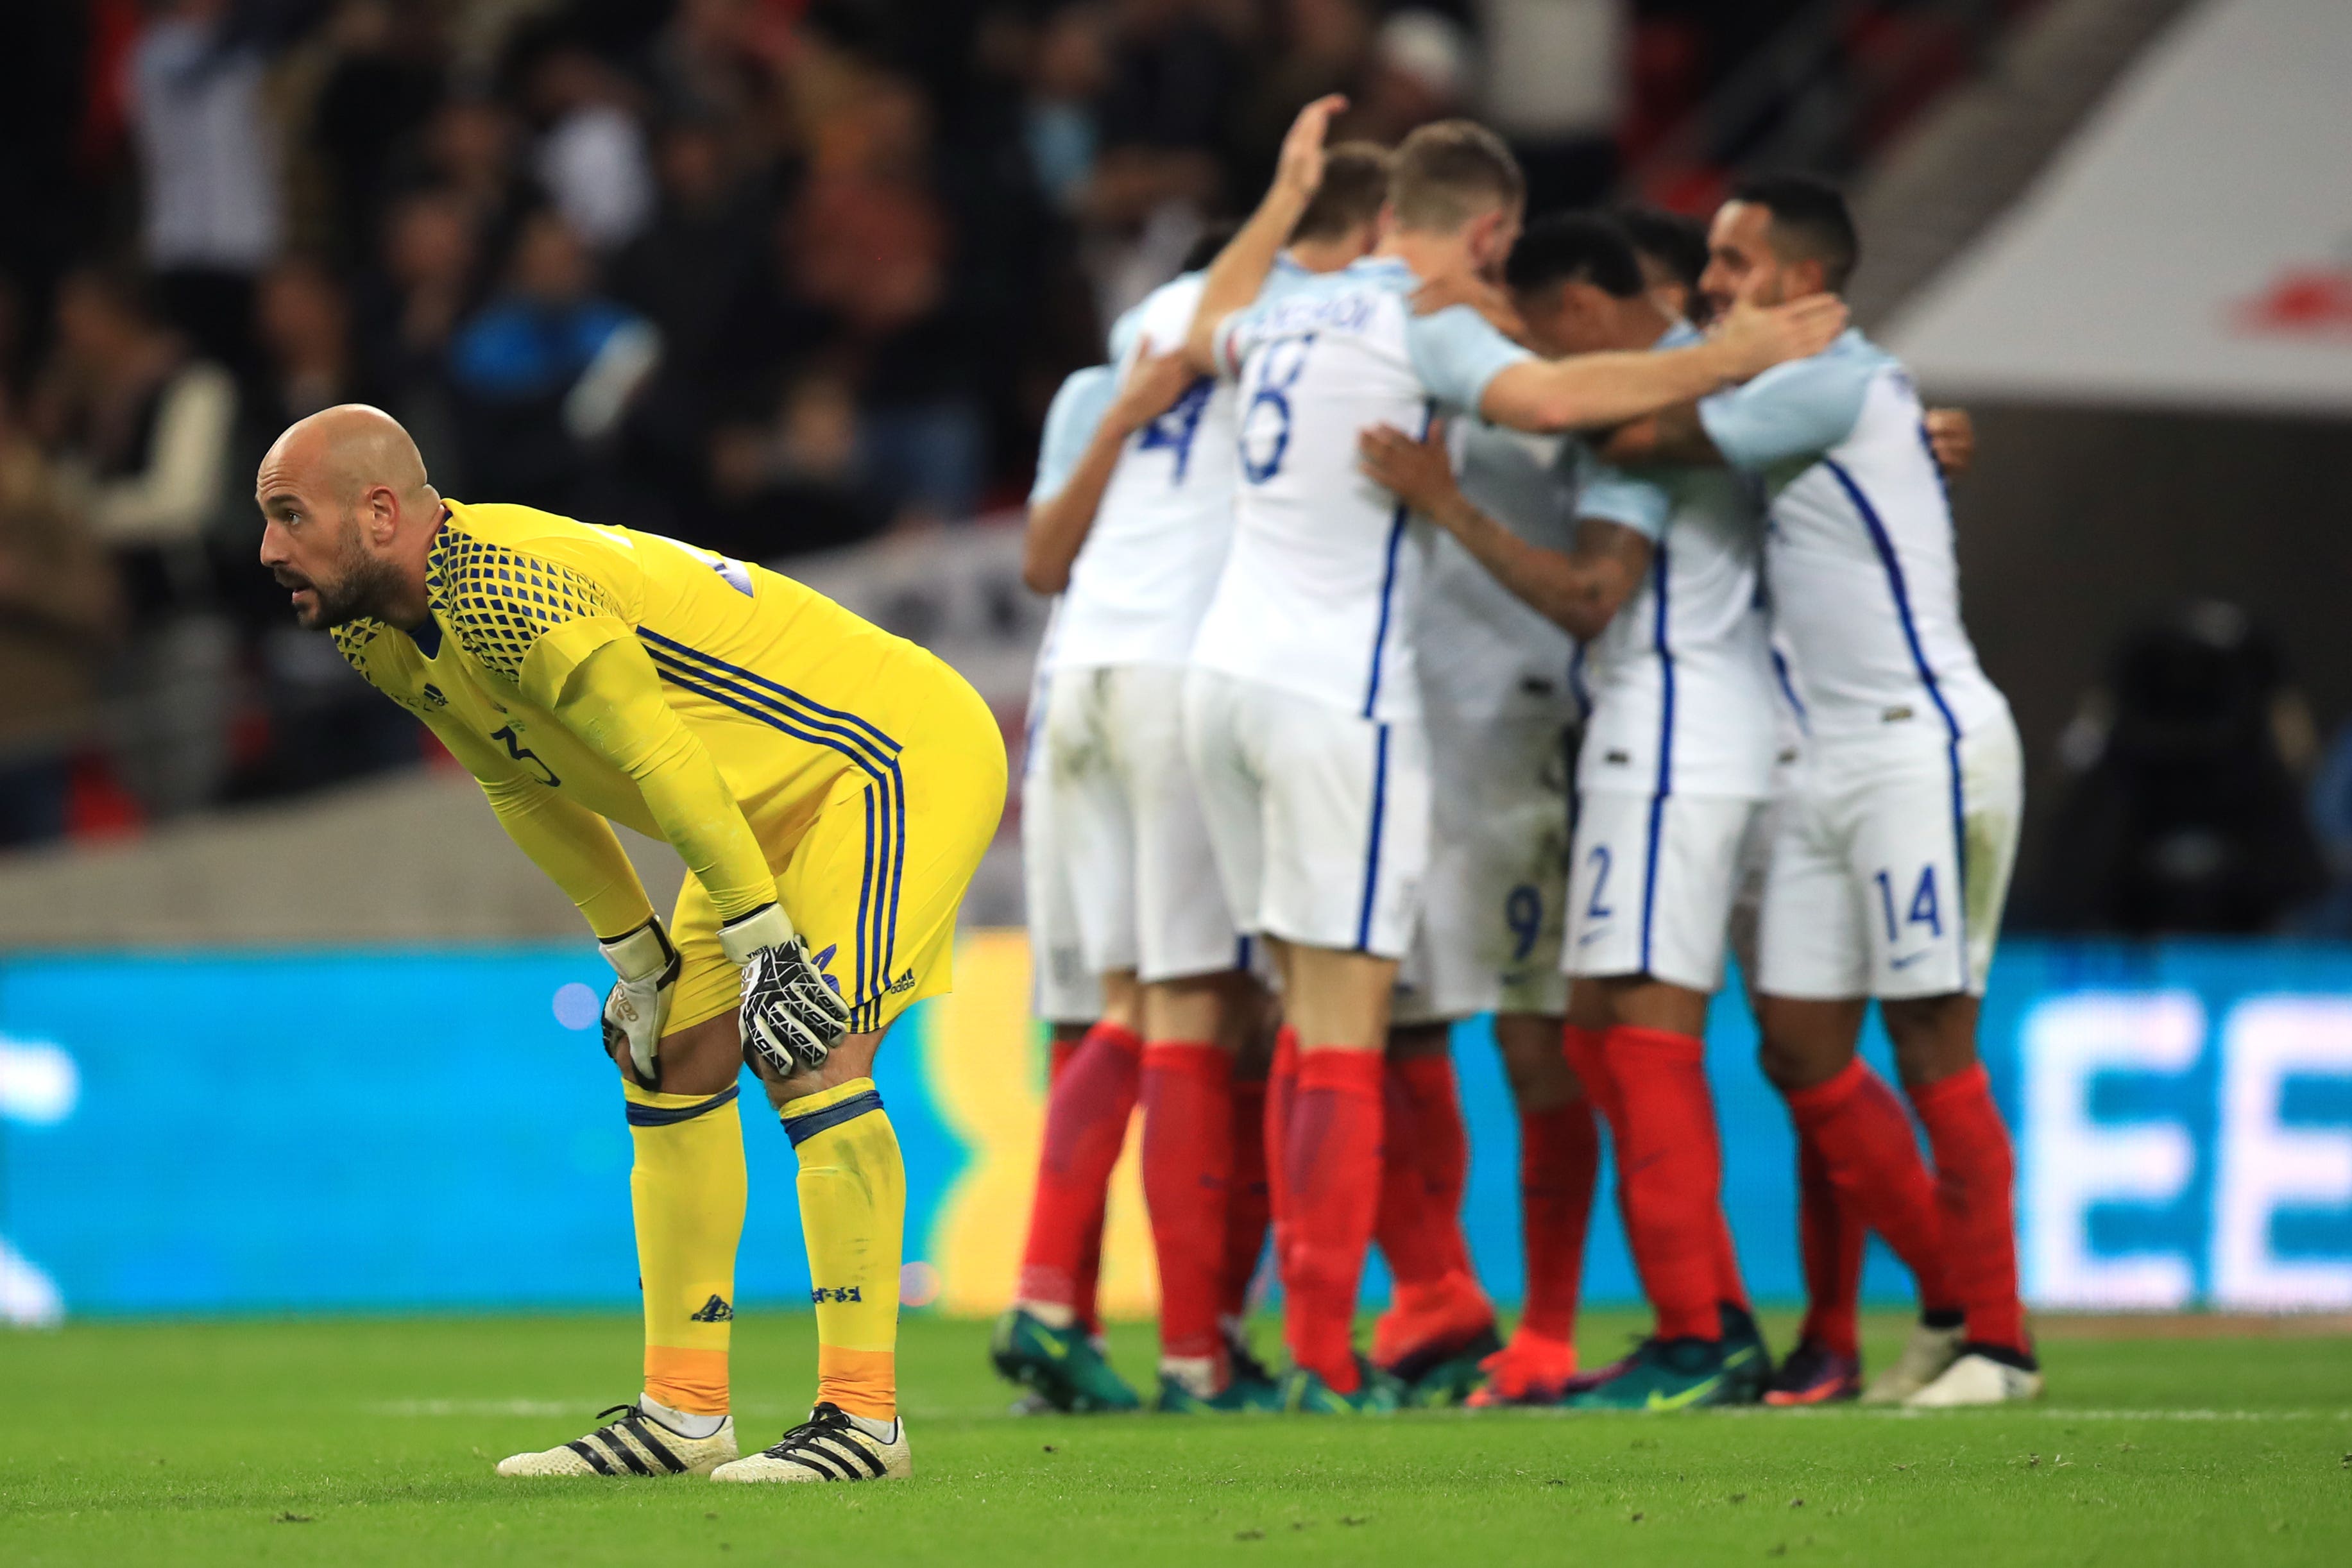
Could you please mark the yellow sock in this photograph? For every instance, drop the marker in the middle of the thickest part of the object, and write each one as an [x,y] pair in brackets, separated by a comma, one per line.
[852,1188]
[686,1190]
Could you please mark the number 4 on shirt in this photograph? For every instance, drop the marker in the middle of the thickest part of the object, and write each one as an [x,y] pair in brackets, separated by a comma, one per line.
[1173,431]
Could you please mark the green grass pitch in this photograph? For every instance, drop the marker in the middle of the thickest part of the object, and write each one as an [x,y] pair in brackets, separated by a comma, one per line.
[368,1442]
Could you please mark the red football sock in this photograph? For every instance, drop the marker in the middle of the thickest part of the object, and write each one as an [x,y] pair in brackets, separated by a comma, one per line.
[1870,1154]
[1332,1160]
[1188,1155]
[1729,1288]
[1408,1224]
[1247,1197]
[1590,1062]
[1085,1123]
[1281,1100]
[1830,1238]
[1086,1307]
[1443,1144]
[1974,1179]
[1672,1172]
[1560,1159]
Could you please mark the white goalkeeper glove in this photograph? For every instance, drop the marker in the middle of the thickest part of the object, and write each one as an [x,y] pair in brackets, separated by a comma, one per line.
[638,1007]
[792,1013]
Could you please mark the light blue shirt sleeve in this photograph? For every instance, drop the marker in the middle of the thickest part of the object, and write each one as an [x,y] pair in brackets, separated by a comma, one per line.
[1456,352]
[1800,409]
[1614,496]
[1071,421]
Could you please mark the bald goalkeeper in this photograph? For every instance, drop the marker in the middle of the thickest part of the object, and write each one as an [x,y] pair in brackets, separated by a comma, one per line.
[831,788]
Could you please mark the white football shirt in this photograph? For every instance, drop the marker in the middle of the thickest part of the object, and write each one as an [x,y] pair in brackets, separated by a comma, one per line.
[1483,653]
[1144,576]
[1859,553]
[1320,590]
[1681,679]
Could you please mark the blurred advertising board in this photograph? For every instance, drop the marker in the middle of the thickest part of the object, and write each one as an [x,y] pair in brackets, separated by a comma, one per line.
[207,1132]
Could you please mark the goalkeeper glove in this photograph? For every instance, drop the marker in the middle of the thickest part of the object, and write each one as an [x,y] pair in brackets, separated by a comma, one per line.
[638,1006]
[792,1013]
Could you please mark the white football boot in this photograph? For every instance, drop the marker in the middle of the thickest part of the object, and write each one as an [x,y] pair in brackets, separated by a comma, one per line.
[1976,1379]
[830,1446]
[632,1442]
[1927,1356]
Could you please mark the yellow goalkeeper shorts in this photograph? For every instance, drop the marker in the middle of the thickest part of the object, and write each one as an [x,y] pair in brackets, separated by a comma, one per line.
[874,879]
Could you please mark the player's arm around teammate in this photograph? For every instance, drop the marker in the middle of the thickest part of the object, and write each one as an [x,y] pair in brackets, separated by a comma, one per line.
[1579,591]
[1059,522]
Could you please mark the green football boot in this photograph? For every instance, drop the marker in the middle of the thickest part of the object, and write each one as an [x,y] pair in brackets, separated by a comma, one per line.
[1240,1394]
[1061,1365]
[1305,1392]
[1664,1374]
[1437,1380]
[1746,1360]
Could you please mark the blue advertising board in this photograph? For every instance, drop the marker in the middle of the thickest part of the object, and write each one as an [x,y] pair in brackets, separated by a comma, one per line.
[382,1130]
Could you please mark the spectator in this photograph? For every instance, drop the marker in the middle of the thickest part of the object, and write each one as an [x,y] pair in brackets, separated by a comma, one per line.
[382,85]
[60,614]
[1420,70]
[1554,74]
[142,433]
[2182,815]
[544,371]
[592,156]
[306,337]
[405,311]
[212,215]
[792,485]
[873,255]
[1061,132]
[1175,78]
[689,275]
[144,428]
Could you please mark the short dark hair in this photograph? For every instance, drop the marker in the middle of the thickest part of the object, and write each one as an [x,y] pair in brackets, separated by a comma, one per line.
[1449,172]
[1574,248]
[1811,222]
[1675,241]
[1355,184]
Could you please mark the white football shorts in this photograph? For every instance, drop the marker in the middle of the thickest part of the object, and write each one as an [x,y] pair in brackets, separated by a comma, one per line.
[1063,989]
[1318,818]
[1650,888]
[1891,867]
[1142,880]
[1494,911]
[1755,861]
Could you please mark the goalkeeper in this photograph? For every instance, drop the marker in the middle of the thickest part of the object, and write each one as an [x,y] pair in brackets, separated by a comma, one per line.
[831,788]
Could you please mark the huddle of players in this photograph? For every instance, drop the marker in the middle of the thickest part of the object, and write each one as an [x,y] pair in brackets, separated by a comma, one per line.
[1364,555]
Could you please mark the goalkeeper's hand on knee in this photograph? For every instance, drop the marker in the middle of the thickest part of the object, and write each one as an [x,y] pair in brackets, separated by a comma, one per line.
[792,1013]
[637,1009]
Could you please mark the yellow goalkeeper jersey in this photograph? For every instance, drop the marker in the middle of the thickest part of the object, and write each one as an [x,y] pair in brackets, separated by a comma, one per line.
[789,749]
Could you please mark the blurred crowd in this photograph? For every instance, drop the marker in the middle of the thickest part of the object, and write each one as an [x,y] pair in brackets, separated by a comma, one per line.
[777,275]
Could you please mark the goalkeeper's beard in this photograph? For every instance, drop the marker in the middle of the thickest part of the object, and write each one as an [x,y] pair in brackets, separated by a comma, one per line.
[366,584]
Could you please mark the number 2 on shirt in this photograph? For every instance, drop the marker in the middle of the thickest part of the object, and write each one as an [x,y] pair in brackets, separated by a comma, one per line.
[1265,420]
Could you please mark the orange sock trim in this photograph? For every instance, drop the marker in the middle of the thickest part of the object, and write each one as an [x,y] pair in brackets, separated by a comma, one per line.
[688,1380]
[864,1383]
